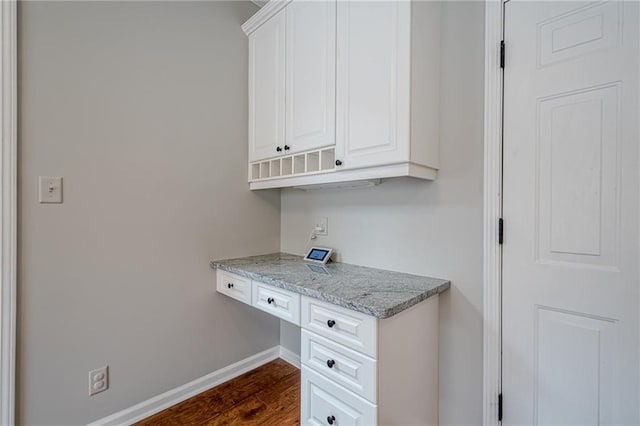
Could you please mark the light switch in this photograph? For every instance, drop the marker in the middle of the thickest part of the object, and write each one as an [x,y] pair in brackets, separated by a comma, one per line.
[50,189]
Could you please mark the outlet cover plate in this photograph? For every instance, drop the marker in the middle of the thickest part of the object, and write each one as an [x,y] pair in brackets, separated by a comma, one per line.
[98,380]
[321,223]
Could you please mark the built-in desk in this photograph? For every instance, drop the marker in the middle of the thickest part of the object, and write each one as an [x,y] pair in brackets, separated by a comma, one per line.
[369,337]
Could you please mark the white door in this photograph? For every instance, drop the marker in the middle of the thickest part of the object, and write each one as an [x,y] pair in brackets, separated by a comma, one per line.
[373,83]
[311,75]
[570,278]
[266,89]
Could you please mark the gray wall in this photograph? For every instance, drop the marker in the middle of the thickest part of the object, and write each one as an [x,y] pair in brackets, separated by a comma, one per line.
[141,107]
[425,228]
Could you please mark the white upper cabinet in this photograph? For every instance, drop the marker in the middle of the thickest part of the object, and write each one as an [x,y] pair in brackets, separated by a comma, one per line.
[266,89]
[361,89]
[311,75]
[373,83]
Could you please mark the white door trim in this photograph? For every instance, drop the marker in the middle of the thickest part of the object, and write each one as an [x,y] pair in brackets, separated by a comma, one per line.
[8,212]
[492,210]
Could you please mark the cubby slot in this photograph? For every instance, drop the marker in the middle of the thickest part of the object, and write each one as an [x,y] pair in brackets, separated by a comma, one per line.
[313,161]
[264,170]
[298,164]
[327,159]
[318,161]
[275,168]
[287,166]
[255,171]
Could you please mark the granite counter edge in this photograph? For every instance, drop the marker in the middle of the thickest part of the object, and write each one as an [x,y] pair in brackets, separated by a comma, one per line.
[345,303]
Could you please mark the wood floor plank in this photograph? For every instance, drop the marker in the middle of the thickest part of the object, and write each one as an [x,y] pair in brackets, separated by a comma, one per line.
[284,390]
[249,412]
[268,395]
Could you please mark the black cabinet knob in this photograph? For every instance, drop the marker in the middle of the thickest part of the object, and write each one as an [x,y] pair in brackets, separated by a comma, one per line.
[331,419]
[330,363]
[270,300]
[331,323]
[229,285]
[338,163]
[278,149]
[287,148]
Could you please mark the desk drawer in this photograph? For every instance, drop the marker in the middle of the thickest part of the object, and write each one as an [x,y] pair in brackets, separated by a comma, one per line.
[278,302]
[234,286]
[324,402]
[350,328]
[351,369]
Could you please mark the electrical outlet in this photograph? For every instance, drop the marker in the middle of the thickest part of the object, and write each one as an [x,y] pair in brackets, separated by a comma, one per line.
[50,189]
[321,226]
[98,380]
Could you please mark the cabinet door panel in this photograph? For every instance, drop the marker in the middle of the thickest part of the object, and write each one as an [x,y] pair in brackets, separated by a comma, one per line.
[350,328]
[266,88]
[351,369]
[234,286]
[276,301]
[311,61]
[373,83]
[324,402]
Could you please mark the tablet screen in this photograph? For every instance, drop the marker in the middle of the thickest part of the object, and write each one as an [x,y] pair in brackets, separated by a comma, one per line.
[317,254]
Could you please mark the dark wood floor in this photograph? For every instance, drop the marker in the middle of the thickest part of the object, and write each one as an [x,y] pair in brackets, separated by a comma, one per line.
[268,395]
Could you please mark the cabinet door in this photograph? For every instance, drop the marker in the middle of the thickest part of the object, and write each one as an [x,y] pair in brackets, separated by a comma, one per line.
[350,328]
[276,301]
[373,83]
[266,88]
[311,62]
[234,286]
[323,402]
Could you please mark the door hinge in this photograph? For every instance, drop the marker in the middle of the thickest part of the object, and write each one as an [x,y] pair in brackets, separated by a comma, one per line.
[500,407]
[500,230]
[502,54]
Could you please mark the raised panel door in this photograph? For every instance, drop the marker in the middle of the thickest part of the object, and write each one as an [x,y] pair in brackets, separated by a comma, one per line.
[310,75]
[373,83]
[570,274]
[266,89]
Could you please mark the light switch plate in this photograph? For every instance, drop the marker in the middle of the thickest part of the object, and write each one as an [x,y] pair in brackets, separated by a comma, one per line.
[49,189]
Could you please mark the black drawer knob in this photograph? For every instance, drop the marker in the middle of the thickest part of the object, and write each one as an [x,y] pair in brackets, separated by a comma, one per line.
[229,285]
[287,147]
[338,163]
[270,300]
[278,149]
[331,419]
[331,323]
[330,363]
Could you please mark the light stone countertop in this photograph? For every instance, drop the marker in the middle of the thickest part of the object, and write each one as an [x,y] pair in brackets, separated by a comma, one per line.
[375,292]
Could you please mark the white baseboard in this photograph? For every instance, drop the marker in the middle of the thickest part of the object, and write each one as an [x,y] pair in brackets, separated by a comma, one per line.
[158,403]
[290,356]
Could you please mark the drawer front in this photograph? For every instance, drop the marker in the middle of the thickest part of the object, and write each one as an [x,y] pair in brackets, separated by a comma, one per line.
[278,302]
[350,328]
[351,369]
[234,286]
[324,402]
